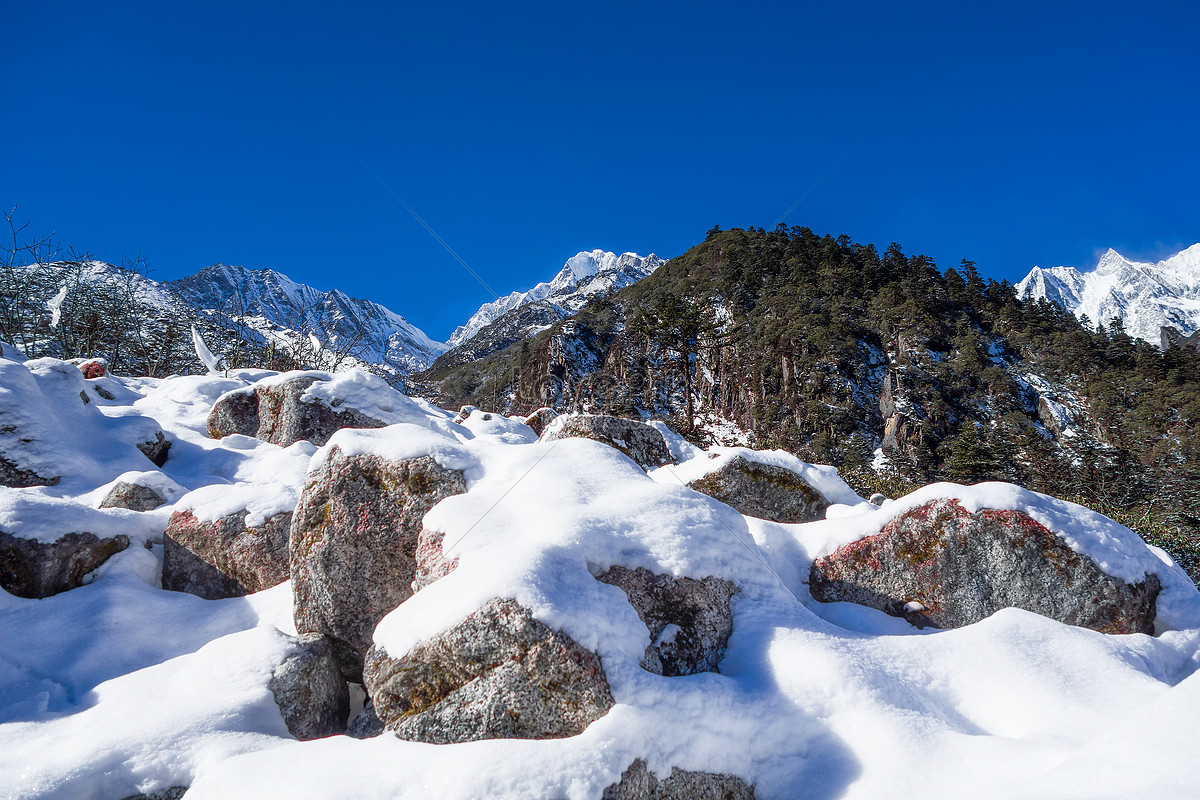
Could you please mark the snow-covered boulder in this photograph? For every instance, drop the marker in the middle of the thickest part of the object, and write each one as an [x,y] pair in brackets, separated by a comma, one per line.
[431,560]
[639,783]
[943,565]
[763,490]
[141,491]
[689,620]
[309,689]
[540,418]
[498,674]
[50,431]
[354,540]
[284,413]
[225,557]
[641,442]
[32,568]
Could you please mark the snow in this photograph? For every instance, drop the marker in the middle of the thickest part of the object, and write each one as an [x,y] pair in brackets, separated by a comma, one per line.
[1145,296]
[584,274]
[119,687]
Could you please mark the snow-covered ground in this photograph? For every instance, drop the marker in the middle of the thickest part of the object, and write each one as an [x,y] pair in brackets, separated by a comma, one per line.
[119,687]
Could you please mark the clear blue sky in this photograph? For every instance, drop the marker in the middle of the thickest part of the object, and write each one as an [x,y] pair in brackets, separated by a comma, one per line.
[1014,134]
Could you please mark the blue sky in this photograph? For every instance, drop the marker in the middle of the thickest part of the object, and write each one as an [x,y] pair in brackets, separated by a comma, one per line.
[1013,134]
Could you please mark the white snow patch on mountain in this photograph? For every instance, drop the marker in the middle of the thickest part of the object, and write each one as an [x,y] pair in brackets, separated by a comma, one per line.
[585,275]
[1145,297]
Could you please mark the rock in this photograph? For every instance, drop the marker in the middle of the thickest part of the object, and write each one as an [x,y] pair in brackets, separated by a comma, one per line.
[235,412]
[34,569]
[463,413]
[132,496]
[156,449]
[641,442]
[93,368]
[539,419]
[499,673]
[173,793]
[639,783]
[275,413]
[431,562]
[689,620]
[354,540]
[19,478]
[961,567]
[309,689]
[764,491]
[224,558]
[366,724]
[877,499]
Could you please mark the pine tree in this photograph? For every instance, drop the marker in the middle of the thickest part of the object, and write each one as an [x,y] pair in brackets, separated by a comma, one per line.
[970,460]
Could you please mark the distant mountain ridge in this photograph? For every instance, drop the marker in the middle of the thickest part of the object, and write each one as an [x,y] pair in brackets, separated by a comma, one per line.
[1145,297]
[584,276]
[271,300]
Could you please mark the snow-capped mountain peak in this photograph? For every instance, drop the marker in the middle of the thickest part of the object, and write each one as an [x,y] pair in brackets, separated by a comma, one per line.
[1145,296]
[583,276]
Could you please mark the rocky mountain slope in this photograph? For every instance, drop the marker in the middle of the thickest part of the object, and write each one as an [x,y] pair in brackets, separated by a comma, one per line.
[585,276]
[1145,297]
[316,577]
[277,306]
[848,356]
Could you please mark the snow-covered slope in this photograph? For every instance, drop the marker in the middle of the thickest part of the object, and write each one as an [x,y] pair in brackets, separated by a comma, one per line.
[1146,297]
[118,688]
[272,301]
[585,275]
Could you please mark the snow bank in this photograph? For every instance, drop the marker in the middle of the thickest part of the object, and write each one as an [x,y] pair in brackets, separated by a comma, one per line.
[119,687]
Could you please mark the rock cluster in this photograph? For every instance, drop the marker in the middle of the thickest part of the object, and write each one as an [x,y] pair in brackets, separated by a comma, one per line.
[499,673]
[943,566]
[641,442]
[764,491]
[276,413]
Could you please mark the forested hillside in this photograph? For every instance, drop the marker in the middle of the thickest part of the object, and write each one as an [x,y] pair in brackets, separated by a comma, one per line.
[832,350]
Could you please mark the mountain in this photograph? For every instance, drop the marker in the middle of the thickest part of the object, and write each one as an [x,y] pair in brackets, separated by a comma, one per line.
[1145,297]
[278,307]
[584,276]
[846,356]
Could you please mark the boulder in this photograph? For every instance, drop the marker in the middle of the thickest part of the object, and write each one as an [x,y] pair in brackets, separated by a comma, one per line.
[276,413]
[431,562]
[764,491]
[366,724]
[20,478]
[354,540]
[689,620]
[133,496]
[156,449]
[173,793]
[224,557]
[539,419]
[639,783]
[943,566]
[92,367]
[499,673]
[641,442]
[35,569]
[309,689]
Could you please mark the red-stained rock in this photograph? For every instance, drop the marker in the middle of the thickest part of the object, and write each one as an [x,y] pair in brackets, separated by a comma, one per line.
[353,544]
[224,558]
[961,567]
